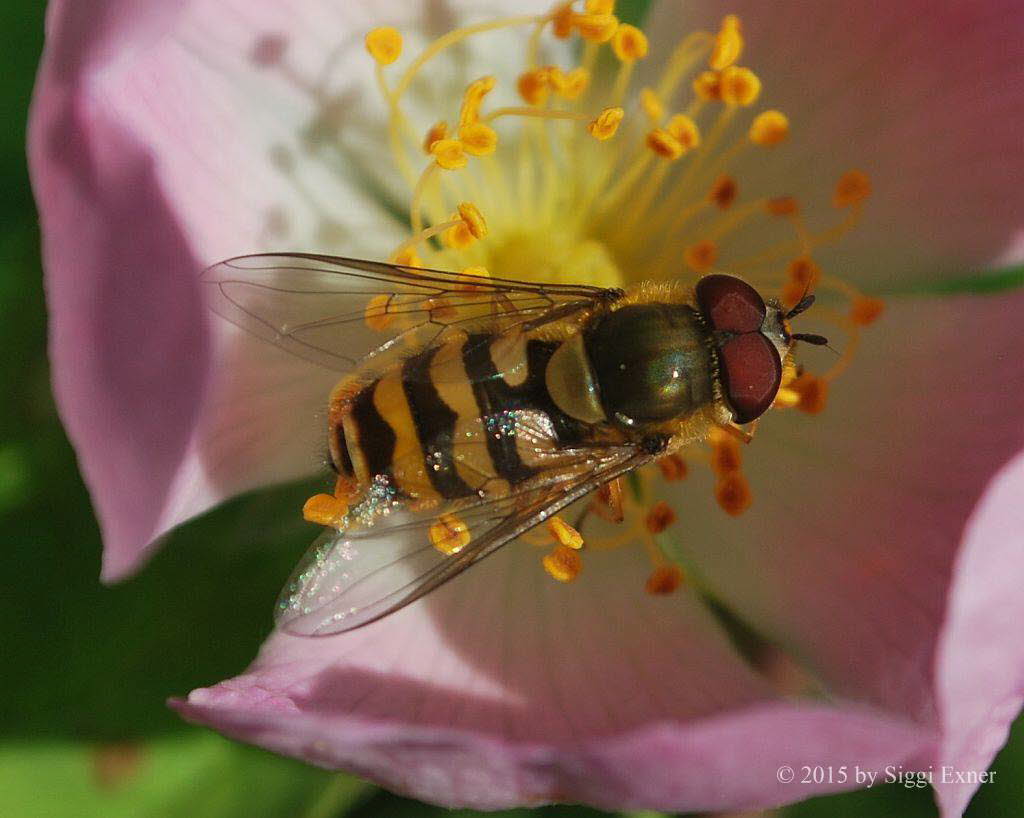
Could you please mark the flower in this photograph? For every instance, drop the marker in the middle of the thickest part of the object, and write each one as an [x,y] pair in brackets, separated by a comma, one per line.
[879,557]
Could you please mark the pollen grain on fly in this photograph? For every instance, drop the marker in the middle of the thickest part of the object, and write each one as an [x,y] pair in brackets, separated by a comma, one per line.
[569,172]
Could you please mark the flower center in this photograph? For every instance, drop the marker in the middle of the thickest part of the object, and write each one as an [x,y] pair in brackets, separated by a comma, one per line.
[587,178]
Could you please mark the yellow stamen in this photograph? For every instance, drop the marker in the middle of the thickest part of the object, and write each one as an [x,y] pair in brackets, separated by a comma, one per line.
[384,44]
[803,275]
[701,257]
[812,391]
[769,128]
[733,494]
[407,258]
[563,564]
[449,154]
[596,28]
[377,315]
[664,144]
[473,219]
[569,85]
[478,139]
[449,534]
[684,130]
[865,310]
[473,99]
[707,85]
[659,517]
[853,187]
[782,206]
[673,468]
[726,456]
[740,86]
[564,534]
[664,579]
[606,124]
[436,133]
[324,509]
[653,107]
[562,20]
[629,43]
[723,192]
[728,44]
[534,86]
[599,6]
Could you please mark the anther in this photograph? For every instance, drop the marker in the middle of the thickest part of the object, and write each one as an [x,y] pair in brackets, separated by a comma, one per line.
[733,494]
[606,124]
[685,131]
[325,509]
[570,85]
[865,310]
[782,206]
[562,21]
[665,579]
[534,86]
[803,275]
[707,85]
[723,192]
[407,258]
[652,105]
[596,28]
[436,133]
[701,257]
[726,457]
[473,99]
[473,219]
[384,44]
[664,144]
[769,128]
[599,6]
[478,139]
[659,517]
[853,187]
[629,43]
[563,564]
[449,154]
[564,534]
[812,392]
[673,468]
[728,44]
[376,315]
[449,534]
[740,86]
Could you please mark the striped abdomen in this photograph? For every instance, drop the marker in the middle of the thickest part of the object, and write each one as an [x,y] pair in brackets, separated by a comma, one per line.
[472,416]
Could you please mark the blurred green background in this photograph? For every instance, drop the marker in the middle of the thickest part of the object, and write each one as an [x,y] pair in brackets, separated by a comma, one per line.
[83,726]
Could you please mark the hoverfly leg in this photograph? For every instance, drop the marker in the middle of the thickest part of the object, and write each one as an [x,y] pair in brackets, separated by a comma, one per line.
[738,432]
[607,504]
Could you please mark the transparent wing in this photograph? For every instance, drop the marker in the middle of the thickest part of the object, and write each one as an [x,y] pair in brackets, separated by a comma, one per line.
[352,578]
[337,311]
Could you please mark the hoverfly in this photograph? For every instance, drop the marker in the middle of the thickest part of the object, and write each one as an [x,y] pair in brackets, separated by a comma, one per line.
[487,405]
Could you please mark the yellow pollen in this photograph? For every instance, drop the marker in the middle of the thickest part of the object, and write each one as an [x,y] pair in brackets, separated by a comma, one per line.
[701,257]
[728,44]
[473,219]
[562,21]
[865,311]
[449,154]
[853,187]
[324,509]
[449,534]
[564,533]
[664,144]
[596,28]
[377,316]
[684,130]
[344,487]
[723,192]
[478,139]
[629,43]
[606,124]
[571,85]
[740,86]
[384,44]
[812,391]
[407,258]
[534,86]
[652,105]
[707,85]
[782,206]
[665,579]
[659,517]
[769,128]
[673,468]
[436,133]
[733,494]
[563,564]
[786,399]
[726,457]
[473,99]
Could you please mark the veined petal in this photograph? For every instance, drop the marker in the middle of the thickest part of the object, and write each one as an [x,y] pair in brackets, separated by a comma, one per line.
[927,99]
[506,688]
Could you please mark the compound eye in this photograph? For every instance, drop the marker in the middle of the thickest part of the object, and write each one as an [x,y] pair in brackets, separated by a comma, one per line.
[729,304]
[751,375]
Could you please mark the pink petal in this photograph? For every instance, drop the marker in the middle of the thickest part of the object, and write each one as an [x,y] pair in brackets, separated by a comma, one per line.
[505,688]
[165,137]
[980,674]
[927,98]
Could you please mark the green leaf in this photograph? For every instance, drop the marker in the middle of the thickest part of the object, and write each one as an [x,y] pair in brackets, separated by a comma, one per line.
[200,775]
[988,281]
[632,11]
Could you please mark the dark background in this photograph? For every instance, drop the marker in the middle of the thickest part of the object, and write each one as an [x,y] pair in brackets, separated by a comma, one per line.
[86,669]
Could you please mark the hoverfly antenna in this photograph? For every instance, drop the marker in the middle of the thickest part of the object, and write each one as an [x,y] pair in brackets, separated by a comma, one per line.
[810,338]
[802,305]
